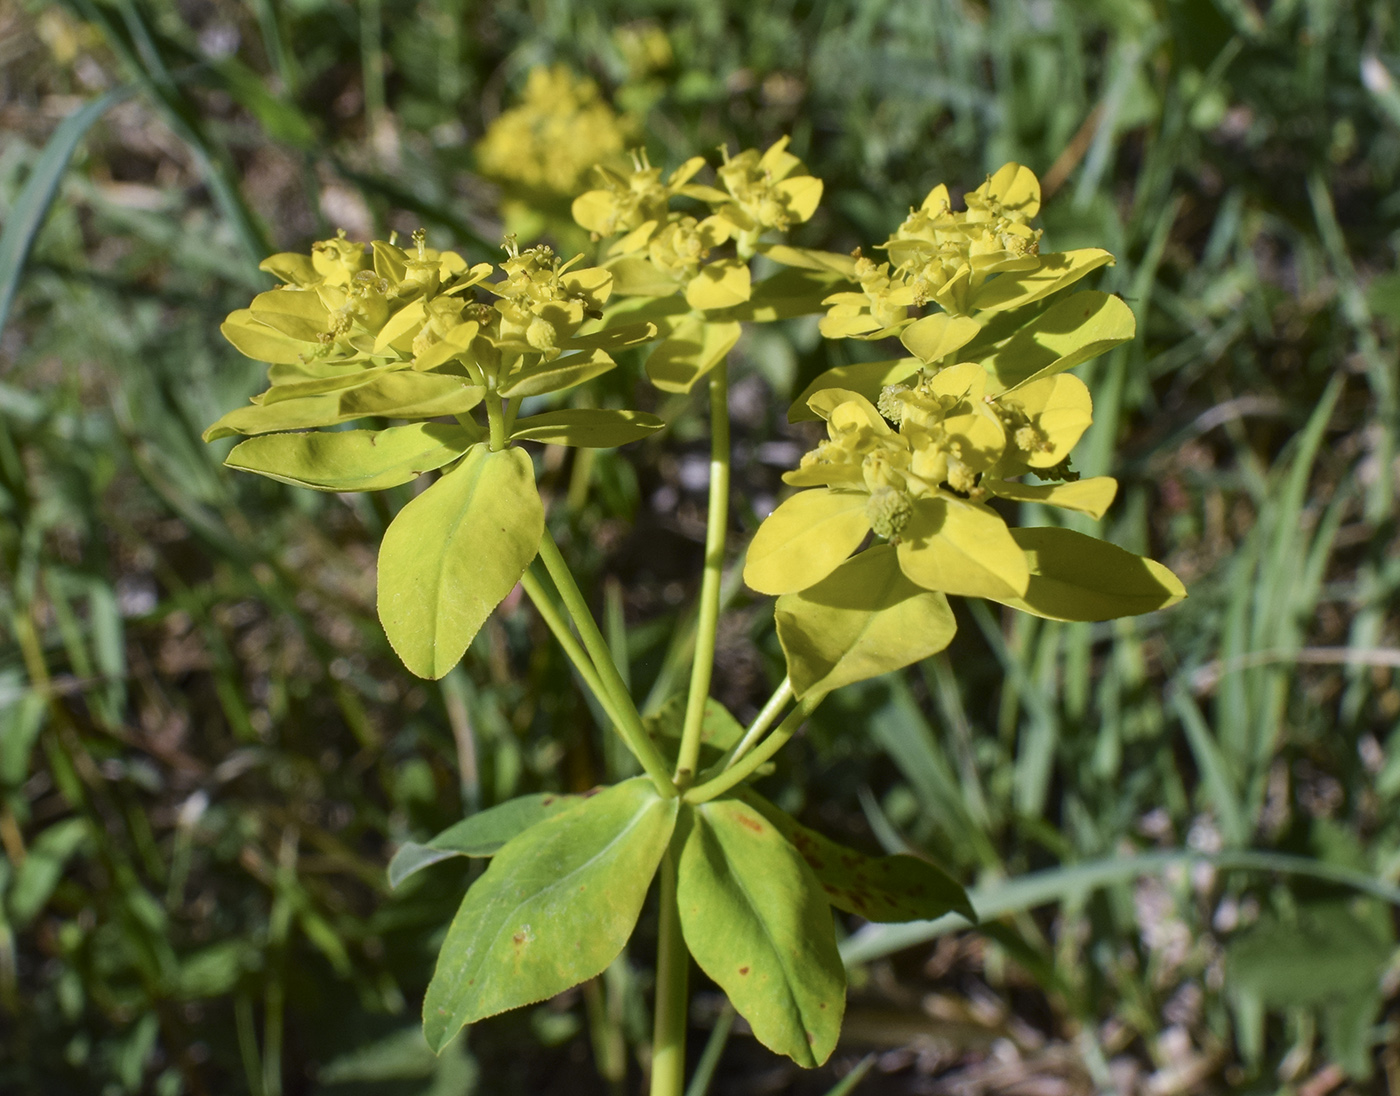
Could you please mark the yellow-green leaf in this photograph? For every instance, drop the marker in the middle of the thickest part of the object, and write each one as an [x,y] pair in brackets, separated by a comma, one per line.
[864,619]
[1090,496]
[784,295]
[865,378]
[1071,331]
[720,284]
[588,427]
[694,347]
[961,548]
[256,340]
[1076,577]
[1055,272]
[558,374]
[803,258]
[1060,408]
[341,381]
[453,553]
[404,394]
[352,460]
[805,539]
[295,312]
[555,907]
[611,338]
[933,338]
[757,922]
[403,323]
[638,276]
[303,414]
[878,888]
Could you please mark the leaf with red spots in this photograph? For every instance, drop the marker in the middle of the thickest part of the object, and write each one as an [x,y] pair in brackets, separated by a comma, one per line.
[756,921]
[878,888]
[554,908]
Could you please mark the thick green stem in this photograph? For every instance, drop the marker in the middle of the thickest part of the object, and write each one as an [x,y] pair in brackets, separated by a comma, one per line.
[495,417]
[702,668]
[742,770]
[629,722]
[672,992]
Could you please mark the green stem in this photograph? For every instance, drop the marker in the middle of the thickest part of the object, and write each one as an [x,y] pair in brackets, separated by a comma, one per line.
[742,770]
[559,627]
[672,992]
[496,418]
[717,521]
[629,722]
[761,722]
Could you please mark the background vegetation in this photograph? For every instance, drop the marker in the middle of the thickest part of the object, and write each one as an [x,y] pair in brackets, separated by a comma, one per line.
[208,753]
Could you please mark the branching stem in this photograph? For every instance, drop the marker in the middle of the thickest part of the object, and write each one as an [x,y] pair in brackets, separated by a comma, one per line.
[761,722]
[629,722]
[743,769]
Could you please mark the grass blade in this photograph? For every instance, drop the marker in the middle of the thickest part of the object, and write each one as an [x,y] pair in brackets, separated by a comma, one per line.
[32,206]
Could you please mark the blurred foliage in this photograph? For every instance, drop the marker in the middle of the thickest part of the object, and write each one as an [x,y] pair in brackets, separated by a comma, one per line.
[207,752]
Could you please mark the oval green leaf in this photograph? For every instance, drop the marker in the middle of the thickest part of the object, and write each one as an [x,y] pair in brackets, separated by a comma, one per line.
[866,378]
[589,427]
[1056,271]
[554,908]
[961,548]
[303,414]
[453,553]
[1069,332]
[692,349]
[404,394]
[1091,496]
[757,922]
[879,888]
[864,619]
[559,374]
[805,539]
[1076,577]
[352,460]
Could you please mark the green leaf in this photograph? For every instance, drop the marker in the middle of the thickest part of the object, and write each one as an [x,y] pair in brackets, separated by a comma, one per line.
[723,283]
[1090,496]
[554,908]
[403,395]
[961,548]
[1071,331]
[297,313]
[254,339]
[827,262]
[560,373]
[352,460]
[589,427]
[864,619]
[481,834]
[453,553]
[42,868]
[32,204]
[694,347]
[1056,271]
[884,889]
[1076,577]
[611,338]
[757,922]
[933,338]
[865,378]
[805,539]
[302,414]
[339,382]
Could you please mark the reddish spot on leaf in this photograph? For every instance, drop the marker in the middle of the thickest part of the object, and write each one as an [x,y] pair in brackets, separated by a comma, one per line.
[751,823]
[547,800]
[823,1004]
[591,792]
[743,970]
[810,1038]
[817,865]
[830,889]
[519,939]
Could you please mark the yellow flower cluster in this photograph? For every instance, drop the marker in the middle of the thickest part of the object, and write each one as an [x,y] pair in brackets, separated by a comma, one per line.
[417,333]
[551,141]
[943,255]
[918,472]
[664,251]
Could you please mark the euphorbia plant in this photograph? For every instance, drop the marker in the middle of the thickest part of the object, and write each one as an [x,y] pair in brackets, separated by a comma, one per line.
[894,512]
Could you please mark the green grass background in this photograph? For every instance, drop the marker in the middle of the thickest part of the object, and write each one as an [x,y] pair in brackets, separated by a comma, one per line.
[1184,829]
